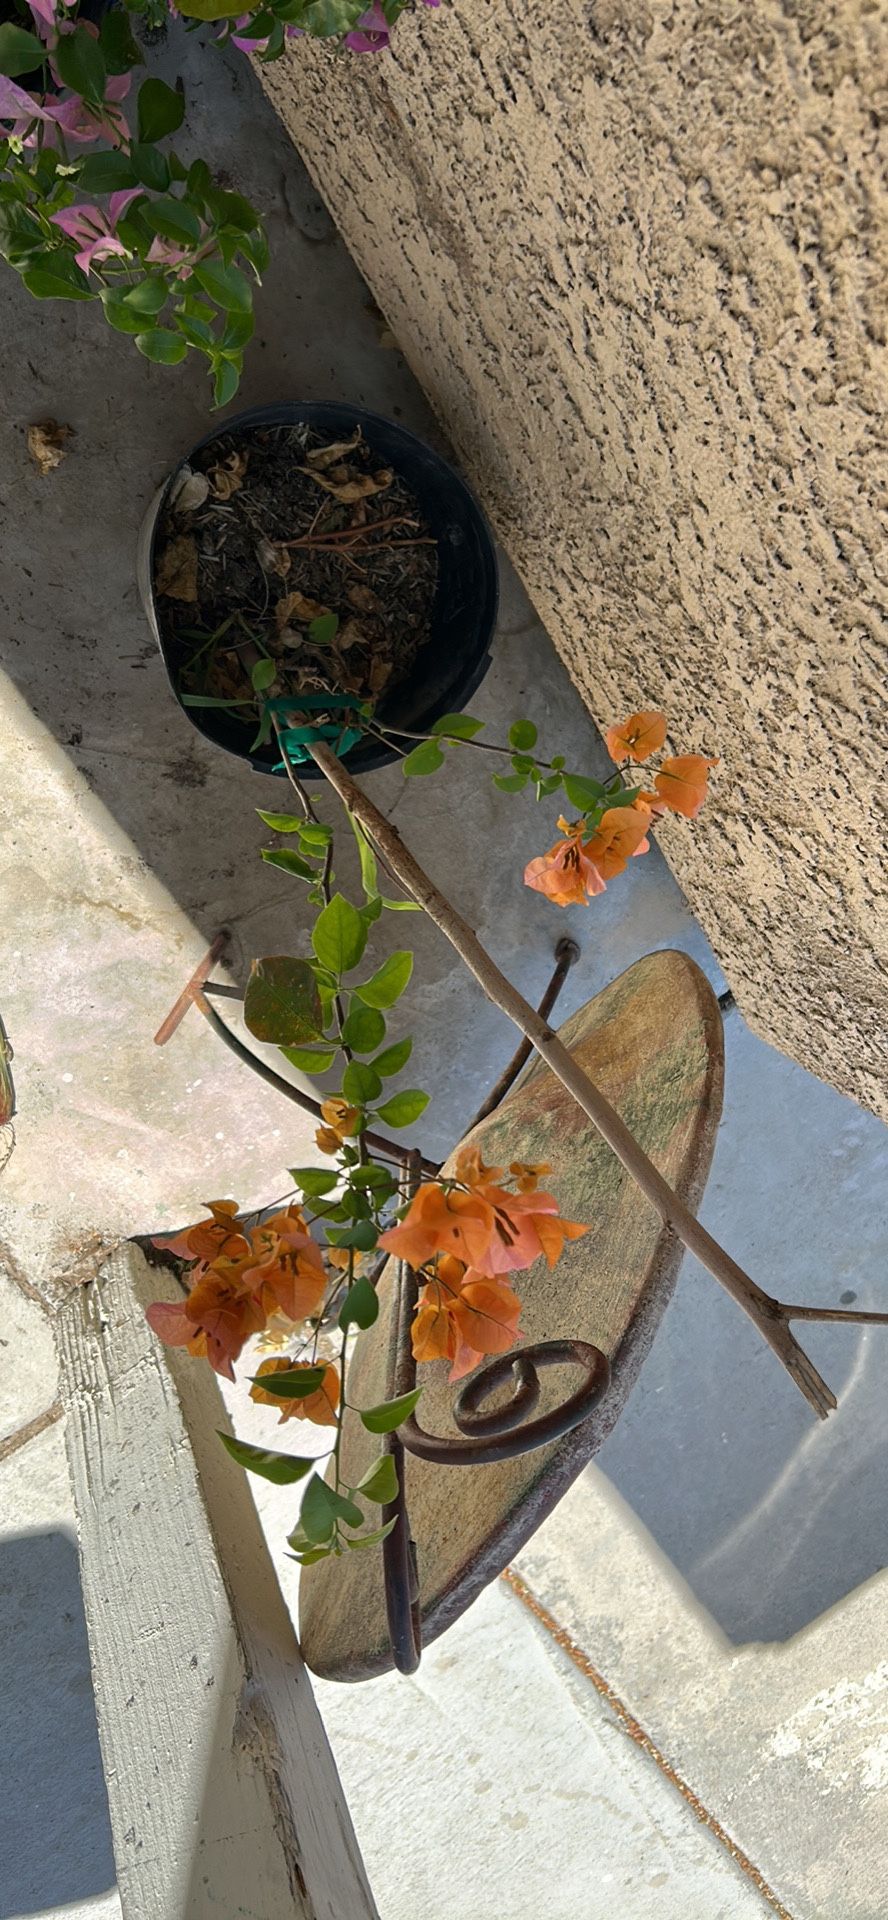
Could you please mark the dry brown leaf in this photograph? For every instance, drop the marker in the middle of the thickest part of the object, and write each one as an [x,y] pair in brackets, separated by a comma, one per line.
[176,573]
[379,675]
[359,488]
[297,606]
[273,559]
[323,457]
[228,476]
[189,491]
[46,444]
[350,634]
[364,599]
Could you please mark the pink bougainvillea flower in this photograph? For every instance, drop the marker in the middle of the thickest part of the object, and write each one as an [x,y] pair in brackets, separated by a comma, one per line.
[94,229]
[21,109]
[80,122]
[44,10]
[371,33]
[566,874]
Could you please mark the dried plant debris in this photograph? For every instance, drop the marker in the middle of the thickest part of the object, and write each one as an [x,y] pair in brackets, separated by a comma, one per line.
[47,444]
[277,543]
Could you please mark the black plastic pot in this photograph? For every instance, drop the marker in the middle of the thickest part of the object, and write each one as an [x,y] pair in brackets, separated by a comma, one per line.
[456,656]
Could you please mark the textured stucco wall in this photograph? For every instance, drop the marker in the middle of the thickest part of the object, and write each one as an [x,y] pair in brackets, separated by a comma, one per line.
[638,256]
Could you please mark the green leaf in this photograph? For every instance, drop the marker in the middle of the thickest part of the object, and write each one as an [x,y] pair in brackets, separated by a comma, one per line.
[623,797]
[322,631]
[360,1307]
[380,1482]
[119,315]
[401,906]
[403,1108]
[161,109]
[363,1029]
[226,285]
[328,18]
[523,735]
[548,786]
[310,1059]
[263,673]
[119,50]
[426,758]
[312,1555]
[376,1178]
[282,1004]
[173,220]
[150,167]
[373,1539]
[280,822]
[226,380]
[367,857]
[296,1385]
[231,209]
[282,1468]
[316,1516]
[388,983]
[339,936]
[163,346]
[314,834]
[582,794]
[394,1058]
[106,172]
[210,9]
[288,861]
[54,276]
[20,51]
[389,1413]
[459,726]
[363,1235]
[81,64]
[510,782]
[313,1180]
[239,328]
[360,1084]
[148,296]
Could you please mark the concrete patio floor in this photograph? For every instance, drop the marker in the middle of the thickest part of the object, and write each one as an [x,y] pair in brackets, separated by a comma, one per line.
[720,1567]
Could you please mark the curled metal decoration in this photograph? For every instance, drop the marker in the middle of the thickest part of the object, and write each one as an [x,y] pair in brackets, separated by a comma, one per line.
[503,1433]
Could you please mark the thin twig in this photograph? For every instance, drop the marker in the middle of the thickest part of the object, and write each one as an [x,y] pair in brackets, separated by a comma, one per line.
[770,1316]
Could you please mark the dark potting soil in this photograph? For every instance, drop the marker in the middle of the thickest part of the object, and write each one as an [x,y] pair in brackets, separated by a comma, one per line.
[268,534]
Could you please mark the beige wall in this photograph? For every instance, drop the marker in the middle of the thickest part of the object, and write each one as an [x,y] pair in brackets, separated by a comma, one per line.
[638,256]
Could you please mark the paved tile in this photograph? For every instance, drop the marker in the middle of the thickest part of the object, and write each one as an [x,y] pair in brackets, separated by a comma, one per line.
[522,1794]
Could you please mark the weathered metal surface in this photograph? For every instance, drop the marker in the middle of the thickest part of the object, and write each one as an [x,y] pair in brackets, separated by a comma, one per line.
[653,1042]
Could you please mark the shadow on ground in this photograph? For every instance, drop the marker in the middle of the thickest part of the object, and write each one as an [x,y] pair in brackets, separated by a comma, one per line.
[54,1846]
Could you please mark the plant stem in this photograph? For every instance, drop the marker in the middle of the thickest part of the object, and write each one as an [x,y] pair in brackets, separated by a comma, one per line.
[770,1316]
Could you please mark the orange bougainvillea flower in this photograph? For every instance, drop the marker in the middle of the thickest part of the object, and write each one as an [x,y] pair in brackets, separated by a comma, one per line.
[341,1124]
[527,1225]
[441,1221]
[461,1316]
[202,1242]
[566,874]
[638,737]
[682,784]
[528,1176]
[621,832]
[320,1407]
[471,1170]
[218,1317]
[288,1274]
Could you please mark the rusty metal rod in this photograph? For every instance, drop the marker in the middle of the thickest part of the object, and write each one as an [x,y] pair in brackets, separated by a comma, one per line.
[567,953]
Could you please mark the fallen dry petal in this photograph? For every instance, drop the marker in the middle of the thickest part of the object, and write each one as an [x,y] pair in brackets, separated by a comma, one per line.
[347,491]
[189,491]
[364,599]
[46,444]
[323,457]
[228,476]
[350,634]
[273,559]
[297,606]
[176,573]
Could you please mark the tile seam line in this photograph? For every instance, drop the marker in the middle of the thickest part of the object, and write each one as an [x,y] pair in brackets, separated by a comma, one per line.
[636,1732]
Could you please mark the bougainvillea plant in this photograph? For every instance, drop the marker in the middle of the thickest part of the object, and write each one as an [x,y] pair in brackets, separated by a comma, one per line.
[95,203]
[302,1276]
